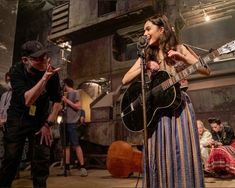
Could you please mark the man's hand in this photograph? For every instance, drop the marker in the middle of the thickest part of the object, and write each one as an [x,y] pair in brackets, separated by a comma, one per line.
[46,134]
[214,143]
[211,142]
[50,71]
[65,99]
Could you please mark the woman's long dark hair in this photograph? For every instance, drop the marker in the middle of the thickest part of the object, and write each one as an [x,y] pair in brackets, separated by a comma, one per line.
[168,41]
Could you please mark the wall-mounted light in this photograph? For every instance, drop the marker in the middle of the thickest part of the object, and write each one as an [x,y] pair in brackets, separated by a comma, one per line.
[65,51]
[65,45]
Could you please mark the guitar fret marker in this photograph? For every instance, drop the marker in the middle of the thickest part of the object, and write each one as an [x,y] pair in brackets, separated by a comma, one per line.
[174,80]
[163,85]
[177,78]
[122,114]
[132,107]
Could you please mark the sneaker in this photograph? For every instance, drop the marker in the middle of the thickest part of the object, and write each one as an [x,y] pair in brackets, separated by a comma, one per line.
[83,172]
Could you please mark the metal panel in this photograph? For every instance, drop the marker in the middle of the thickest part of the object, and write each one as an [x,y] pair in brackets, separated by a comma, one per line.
[101,133]
[84,18]
[60,18]
[8,14]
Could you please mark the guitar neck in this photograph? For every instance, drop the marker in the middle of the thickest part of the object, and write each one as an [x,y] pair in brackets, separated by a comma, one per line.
[189,70]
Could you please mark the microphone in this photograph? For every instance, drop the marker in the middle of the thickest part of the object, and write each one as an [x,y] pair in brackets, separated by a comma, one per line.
[142,42]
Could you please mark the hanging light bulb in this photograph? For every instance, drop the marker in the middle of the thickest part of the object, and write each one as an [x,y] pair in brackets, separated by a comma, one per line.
[206,17]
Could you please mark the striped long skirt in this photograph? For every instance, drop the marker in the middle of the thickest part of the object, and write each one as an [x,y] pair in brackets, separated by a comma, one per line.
[174,151]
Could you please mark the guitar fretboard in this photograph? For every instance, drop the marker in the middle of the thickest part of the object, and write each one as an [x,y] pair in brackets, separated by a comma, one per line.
[189,70]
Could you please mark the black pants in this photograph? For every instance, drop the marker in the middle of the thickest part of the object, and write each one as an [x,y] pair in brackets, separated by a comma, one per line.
[14,139]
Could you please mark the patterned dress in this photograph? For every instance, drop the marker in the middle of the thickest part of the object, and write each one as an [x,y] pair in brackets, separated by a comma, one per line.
[174,150]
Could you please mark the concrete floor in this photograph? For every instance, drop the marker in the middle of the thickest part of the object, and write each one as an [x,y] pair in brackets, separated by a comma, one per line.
[100,179]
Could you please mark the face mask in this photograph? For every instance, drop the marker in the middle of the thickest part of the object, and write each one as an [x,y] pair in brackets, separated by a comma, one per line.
[30,68]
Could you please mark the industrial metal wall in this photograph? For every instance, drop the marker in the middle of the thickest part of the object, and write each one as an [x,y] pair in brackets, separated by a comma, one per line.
[8,15]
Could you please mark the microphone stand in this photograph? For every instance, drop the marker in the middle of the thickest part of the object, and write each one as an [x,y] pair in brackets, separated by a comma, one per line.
[141,54]
[64,115]
[65,137]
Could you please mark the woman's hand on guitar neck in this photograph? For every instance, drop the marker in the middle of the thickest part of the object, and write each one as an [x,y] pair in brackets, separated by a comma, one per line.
[177,56]
[188,58]
[183,55]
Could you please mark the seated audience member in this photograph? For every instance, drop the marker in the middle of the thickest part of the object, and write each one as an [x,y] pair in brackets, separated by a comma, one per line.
[221,135]
[221,161]
[204,138]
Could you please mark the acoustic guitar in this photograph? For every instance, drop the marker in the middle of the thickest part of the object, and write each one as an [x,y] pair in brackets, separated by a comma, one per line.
[163,93]
[123,160]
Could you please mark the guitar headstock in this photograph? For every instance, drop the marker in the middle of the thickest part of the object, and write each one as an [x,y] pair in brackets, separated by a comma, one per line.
[227,48]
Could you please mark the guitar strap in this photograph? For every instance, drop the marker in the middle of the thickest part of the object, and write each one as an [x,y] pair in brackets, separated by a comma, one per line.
[191,51]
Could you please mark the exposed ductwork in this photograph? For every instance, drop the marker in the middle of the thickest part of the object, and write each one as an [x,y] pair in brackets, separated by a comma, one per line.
[211,9]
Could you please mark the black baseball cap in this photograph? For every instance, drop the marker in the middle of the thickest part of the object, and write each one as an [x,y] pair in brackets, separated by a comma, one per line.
[33,49]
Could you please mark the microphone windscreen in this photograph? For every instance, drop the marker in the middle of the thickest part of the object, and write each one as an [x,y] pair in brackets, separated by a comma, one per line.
[142,42]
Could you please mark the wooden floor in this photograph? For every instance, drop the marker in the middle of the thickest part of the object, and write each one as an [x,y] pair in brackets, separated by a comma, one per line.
[100,179]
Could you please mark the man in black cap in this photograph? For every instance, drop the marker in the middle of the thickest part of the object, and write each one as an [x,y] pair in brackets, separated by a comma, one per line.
[34,83]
